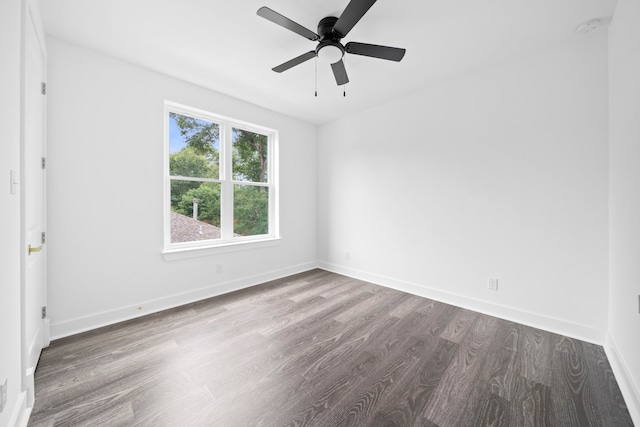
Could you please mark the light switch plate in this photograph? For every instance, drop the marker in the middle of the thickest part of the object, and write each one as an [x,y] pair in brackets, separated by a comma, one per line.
[13,181]
[3,394]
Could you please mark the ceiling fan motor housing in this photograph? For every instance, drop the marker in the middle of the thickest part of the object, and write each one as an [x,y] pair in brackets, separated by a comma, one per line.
[332,49]
[325,29]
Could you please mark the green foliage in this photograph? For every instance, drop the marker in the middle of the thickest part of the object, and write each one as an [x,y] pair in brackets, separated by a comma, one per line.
[187,162]
[200,135]
[251,210]
[200,158]
[249,156]
[208,195]
[178,189]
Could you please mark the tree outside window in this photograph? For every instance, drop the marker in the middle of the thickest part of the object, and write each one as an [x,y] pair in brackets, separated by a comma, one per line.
[219,179]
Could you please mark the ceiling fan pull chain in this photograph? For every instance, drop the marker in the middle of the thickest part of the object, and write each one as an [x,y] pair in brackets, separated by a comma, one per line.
[316,76]
[344,87]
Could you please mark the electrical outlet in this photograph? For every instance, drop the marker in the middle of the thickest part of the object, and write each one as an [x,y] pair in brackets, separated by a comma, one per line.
[219,268]
[3,395]
[492,283]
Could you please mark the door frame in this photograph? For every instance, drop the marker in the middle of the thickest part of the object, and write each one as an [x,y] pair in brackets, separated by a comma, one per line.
[31,20]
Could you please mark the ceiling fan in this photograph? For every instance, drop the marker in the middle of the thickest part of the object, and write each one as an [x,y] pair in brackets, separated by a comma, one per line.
[330,31]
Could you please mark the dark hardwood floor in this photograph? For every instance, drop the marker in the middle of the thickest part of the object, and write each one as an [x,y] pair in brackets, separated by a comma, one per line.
[320,349]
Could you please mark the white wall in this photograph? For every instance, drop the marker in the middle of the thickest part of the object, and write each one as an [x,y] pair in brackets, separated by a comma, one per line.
[501,172]
[10,353]
[105,169]
[624,199]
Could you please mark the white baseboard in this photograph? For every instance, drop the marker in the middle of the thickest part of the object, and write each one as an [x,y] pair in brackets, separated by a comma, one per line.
[86,323]
[550,324]
[20,415]
[627,385]
[46,338]
[630,389]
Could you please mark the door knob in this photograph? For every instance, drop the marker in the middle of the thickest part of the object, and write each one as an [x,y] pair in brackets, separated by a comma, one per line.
[36,249]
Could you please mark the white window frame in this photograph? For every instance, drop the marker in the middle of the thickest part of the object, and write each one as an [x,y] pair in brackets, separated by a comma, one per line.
[227,241]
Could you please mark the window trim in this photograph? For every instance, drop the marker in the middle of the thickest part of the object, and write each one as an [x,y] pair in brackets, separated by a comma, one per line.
[227,241]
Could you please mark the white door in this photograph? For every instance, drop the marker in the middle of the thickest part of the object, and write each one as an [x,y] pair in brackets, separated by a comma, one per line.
[35,332]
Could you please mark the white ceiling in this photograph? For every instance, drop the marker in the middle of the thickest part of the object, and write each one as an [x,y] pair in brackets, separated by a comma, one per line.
[223,45]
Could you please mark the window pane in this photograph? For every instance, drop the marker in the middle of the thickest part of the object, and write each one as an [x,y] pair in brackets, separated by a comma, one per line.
[194,147]
[195,211]
[249,156]
[250,210]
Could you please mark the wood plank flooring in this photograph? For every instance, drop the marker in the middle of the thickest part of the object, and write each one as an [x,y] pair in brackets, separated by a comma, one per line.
[320,349]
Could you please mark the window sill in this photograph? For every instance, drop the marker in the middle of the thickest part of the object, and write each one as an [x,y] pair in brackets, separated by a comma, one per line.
[183,253]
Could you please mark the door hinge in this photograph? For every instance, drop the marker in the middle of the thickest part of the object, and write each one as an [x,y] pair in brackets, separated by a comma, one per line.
[44,312]
[44,163]
[44,88]
[43,237]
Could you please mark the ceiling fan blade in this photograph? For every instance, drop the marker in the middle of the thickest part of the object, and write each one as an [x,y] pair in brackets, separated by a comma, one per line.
[340,73]
[295,61]
[351,15]
[375,51]
[287,23]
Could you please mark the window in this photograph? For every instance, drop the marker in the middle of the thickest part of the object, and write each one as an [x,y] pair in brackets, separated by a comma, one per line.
[220,180]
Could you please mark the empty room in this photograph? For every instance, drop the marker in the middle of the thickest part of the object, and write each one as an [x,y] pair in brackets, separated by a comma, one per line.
[320,213]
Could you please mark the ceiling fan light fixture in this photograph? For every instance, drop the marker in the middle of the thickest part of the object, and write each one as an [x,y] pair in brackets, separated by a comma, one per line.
[330,53]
